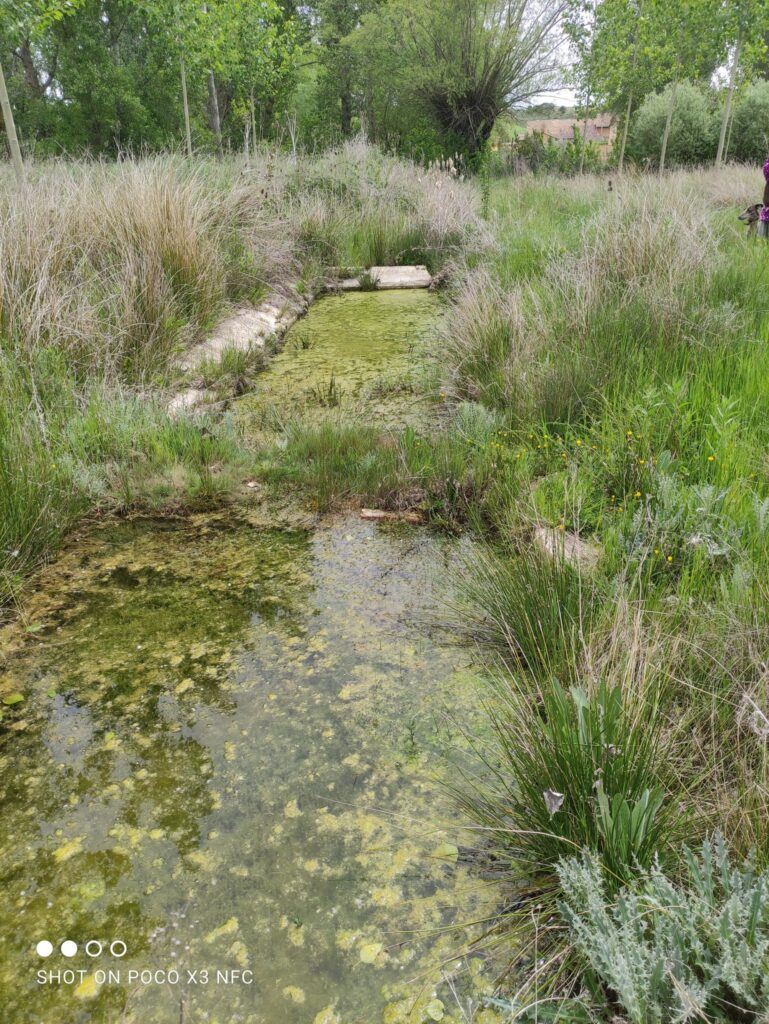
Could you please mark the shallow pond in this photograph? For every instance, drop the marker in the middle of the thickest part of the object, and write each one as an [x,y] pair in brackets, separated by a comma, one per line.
[222,745]
[353,356]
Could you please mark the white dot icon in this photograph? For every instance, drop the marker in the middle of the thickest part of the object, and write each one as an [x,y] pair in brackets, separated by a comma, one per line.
[44,948]
[68,947]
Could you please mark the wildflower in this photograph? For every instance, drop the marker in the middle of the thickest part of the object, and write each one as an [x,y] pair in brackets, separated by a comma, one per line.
[637,494]
[711,458]
[579,442]
[628,433]
[561,526]
[669,558]
[642,462]
[656,551]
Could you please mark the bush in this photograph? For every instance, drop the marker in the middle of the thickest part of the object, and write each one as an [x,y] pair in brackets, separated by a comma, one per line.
[693,131]
[670,952]
[750,129]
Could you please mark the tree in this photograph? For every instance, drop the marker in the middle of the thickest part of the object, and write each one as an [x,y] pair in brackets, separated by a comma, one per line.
[612,47]
[468,60]
[747,52]
[693,130]
[688,43]
[750,132]
[22,19]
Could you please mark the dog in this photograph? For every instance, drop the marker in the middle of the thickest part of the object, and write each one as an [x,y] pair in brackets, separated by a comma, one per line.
[751,216]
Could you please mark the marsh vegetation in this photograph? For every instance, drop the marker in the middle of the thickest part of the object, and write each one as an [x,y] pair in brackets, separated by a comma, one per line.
[597,372]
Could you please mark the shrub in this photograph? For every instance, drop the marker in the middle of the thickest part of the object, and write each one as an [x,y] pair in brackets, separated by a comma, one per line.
[693,131]
[750,128]
[675,952]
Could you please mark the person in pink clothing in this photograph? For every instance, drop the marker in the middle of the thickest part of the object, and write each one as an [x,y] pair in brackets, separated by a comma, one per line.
[763,217]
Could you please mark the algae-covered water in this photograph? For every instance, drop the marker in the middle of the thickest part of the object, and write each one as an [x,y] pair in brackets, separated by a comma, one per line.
[222,746]
[354,357]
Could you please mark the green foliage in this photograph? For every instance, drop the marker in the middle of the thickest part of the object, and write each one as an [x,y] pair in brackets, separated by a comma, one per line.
[750,131]
[697,950]
[106,78]
[693,133]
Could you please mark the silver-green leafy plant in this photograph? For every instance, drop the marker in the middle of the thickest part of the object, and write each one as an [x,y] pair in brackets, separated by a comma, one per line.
[670,952]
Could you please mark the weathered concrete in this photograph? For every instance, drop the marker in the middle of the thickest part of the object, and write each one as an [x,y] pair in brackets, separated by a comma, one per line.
[247,327]
[252,325]
[391,277]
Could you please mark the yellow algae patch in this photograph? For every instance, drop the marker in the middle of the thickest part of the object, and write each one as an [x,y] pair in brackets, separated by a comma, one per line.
[352,761]
[68,849]
[369,952]
[346,939]
[291,810]
[229,751]
[294,993]
[184,685]
[88,988]
[386,896]
[447,852]
[239,953]
[295,931]
[240,871]
[313,866]
[327,1016]
[434,1010]
[204,859]
[228,928]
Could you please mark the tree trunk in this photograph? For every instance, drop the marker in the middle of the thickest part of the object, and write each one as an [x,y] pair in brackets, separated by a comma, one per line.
[253,122]
[185,102]
[346,114]
[729,136]
[584,139]
[729,98]
[668,122]
[10,130]
[216,124]
[625,127]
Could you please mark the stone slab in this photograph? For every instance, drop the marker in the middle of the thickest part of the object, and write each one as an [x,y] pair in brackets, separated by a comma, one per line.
[392,277]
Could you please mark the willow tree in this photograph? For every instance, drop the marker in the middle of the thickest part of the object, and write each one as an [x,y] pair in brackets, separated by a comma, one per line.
[469,60]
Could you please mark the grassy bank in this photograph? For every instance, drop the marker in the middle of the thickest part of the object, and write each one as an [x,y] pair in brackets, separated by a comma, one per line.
[625,374]
[109,271]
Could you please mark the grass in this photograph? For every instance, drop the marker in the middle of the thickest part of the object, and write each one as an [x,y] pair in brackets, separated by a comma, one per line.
[624,373]
[109,271]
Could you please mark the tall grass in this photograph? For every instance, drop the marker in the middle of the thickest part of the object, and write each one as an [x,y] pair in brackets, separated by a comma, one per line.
[624,368]
[108,271]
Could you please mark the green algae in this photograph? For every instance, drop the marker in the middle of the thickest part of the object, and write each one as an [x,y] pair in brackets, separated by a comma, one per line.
[353,356]
[230,741]
[229,763]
